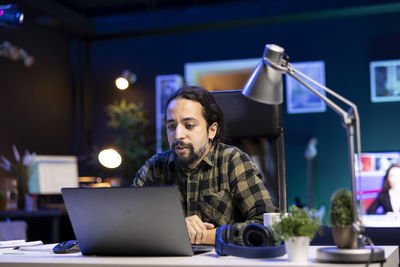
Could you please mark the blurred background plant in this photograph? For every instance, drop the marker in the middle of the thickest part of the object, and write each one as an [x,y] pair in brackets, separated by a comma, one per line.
[341,212]
[19,169]
[342,217]
[130,126]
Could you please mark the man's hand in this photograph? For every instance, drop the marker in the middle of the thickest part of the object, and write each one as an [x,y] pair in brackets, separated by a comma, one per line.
[200,232]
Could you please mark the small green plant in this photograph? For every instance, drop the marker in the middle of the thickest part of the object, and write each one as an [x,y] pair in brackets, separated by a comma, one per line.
[20,170]
[298,222]
[129,123]
[341,213]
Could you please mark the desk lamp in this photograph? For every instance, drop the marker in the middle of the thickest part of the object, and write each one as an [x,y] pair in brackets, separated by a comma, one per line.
[265,86]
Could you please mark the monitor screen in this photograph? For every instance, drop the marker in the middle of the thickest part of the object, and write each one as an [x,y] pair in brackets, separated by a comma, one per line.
[48,174]
[369,179]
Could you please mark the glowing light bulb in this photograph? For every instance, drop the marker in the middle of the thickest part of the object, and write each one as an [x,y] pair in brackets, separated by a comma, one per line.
[121,83]
[110,158]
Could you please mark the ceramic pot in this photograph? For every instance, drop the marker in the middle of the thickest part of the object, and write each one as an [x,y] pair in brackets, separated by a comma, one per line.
[344,237]
[297,248]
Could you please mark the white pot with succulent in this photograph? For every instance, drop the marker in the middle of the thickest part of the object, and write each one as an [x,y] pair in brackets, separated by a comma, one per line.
[297,228]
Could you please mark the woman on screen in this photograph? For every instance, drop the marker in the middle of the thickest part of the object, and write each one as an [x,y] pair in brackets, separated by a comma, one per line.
[389,197]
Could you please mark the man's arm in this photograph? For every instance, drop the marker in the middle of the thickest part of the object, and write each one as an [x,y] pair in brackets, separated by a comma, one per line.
[145,174]
[210,239]
[249,192]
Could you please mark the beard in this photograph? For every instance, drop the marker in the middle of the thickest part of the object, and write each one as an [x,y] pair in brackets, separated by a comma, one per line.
[185,161]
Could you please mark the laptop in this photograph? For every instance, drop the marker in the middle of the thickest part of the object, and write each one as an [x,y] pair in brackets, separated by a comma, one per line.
[147,221]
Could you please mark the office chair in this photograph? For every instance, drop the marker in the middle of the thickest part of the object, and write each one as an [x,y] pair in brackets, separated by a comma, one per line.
[257,129]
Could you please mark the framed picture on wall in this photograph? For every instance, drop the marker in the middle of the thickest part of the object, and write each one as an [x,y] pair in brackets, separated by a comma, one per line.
[166,85]
[220,75]
[299,99]
[385,80]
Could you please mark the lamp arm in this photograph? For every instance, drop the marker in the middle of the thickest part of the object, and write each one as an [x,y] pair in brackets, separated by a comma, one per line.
[333,93]
[349,118]
[329,102]
[267,74]
[284,66]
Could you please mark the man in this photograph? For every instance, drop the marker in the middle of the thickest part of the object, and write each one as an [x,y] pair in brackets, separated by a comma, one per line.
[219,184]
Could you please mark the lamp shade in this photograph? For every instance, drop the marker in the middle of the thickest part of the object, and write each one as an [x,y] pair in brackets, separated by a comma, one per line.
[265,83]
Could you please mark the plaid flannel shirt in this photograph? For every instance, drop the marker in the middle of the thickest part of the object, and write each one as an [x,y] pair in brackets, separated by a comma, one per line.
[224,188]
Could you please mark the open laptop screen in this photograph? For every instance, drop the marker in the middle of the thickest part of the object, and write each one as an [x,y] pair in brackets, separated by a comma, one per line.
[146,221]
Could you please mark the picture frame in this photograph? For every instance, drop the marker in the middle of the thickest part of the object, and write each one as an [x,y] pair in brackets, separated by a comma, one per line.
[385,81]
[166,86]
[196,71]
[300,99]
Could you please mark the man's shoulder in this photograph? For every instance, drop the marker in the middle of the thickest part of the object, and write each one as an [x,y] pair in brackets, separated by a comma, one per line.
[226,150]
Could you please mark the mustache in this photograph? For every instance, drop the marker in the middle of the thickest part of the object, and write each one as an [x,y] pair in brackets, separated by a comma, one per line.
[180,143]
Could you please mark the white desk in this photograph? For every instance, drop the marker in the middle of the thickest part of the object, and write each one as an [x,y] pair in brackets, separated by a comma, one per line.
[210,259]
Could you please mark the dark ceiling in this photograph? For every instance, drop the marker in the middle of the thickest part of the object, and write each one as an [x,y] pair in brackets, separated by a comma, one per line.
[93,8]
[78,17]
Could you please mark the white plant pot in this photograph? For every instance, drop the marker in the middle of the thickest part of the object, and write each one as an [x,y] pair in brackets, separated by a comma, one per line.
[297,248]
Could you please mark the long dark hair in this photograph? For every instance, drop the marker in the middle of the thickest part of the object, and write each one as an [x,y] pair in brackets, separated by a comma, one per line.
[386,184]
[211,111]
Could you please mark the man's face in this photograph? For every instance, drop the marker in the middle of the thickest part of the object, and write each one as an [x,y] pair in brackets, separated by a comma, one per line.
[188,134]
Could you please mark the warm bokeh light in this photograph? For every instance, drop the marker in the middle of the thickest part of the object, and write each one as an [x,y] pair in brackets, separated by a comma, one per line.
[121,83]
[110,158]
[21,18]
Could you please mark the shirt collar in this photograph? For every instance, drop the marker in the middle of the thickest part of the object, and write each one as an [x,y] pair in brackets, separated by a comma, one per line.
[210,156]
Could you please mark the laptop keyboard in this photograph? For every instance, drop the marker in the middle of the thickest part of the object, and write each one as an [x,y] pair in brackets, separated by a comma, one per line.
[202,248]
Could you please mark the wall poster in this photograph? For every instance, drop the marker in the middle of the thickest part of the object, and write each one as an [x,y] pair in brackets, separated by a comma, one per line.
[385,80]
[300,99]
[166,85]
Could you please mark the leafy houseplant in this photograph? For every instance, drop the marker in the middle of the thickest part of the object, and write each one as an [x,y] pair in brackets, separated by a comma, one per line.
[129,123]
[341,213]
[298,222]
[19,169]
[297,228]
[341,217]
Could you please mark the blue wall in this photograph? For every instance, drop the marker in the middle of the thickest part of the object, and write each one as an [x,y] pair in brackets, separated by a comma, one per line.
[347,45]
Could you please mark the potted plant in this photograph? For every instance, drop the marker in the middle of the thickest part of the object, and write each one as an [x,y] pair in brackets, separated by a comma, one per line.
[297,228]
[341,217]
[19,169]
[130,124]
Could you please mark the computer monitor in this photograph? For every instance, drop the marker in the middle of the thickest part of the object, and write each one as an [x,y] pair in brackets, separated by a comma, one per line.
[48,174]
[370,173]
